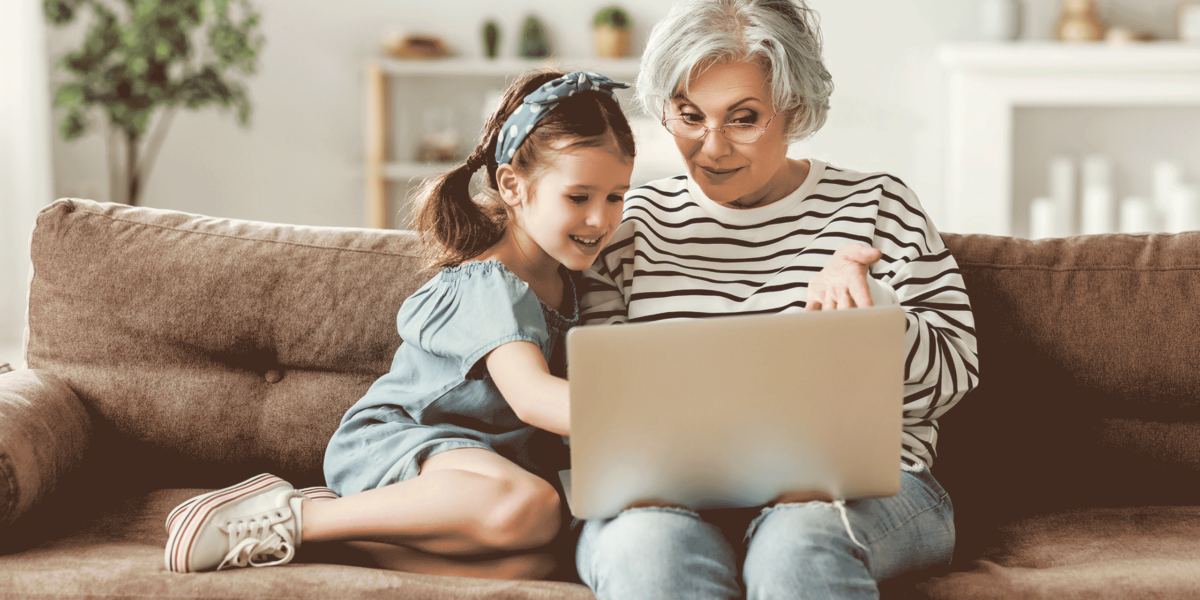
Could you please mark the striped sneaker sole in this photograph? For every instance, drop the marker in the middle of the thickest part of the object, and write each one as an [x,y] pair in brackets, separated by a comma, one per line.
[315,494]
[319,493]
[180,541]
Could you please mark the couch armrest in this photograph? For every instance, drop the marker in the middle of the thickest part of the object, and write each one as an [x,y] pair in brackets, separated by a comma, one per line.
[44,430]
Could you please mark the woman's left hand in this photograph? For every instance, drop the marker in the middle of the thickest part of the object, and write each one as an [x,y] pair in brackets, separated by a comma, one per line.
[842,283]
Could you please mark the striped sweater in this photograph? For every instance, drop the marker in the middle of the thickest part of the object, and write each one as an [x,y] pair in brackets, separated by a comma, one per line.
[678,254]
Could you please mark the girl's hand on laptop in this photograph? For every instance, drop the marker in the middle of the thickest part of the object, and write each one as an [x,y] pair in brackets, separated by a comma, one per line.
[842,283]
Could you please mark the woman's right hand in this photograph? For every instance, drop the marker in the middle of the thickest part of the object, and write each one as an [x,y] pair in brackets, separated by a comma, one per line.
[843,283]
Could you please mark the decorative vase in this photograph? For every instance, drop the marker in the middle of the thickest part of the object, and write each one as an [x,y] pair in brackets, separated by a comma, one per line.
[611,42]
[491,39]
[1000,20]
[1079,22]
[533,39]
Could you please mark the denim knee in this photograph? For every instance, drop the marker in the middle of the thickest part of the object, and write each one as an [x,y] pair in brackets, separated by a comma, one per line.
[657,553]
[805,548]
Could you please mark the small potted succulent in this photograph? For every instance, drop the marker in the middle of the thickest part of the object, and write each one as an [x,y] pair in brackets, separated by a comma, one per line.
[491,39]
[610,32]
[534,44]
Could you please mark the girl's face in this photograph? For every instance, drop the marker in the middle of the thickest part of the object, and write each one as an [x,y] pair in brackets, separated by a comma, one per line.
[738,175]
[574,207]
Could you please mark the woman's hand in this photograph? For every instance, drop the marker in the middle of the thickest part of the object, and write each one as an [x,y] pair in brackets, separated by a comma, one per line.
[843,282]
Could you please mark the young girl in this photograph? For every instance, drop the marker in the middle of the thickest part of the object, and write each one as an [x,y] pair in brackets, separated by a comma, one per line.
[452,453]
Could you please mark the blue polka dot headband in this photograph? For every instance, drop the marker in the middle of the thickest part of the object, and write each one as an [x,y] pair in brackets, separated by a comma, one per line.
[540,102]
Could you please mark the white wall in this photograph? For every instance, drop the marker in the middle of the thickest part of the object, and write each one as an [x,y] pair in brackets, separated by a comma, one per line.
[301,160]
[25,178]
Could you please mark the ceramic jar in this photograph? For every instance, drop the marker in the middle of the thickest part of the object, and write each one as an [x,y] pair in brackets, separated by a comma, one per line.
[1079,23]
[1000,20]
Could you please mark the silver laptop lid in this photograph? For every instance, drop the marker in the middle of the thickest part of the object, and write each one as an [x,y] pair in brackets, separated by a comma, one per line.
[733,411]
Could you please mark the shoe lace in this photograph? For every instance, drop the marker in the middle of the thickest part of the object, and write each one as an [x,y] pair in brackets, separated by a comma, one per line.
[253,540]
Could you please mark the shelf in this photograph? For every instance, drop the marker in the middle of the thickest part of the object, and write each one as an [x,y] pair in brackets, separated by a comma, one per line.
[1034,57]
[452,73]
[626,68]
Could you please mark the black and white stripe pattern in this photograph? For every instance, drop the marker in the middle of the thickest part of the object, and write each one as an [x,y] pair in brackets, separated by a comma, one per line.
[678,254]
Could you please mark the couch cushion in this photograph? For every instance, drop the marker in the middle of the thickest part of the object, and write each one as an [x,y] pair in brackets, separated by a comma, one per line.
[213,349]
[1089,390]
[1131,553]
[120,554]
[44,432]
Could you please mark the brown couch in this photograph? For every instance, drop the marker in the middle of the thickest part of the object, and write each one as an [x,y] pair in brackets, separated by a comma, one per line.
[170,353]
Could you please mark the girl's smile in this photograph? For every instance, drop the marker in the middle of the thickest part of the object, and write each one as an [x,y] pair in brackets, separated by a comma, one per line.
[574,206]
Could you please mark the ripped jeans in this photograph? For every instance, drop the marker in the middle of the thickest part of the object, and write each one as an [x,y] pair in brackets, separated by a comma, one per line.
[788,550]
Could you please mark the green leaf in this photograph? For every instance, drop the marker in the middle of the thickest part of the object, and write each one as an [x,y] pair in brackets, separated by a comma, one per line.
[73,125]
[59,12]
[139,56]
[612,16]
[70,95]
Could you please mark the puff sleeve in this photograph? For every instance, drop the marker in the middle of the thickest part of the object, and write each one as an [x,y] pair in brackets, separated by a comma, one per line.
[466,312]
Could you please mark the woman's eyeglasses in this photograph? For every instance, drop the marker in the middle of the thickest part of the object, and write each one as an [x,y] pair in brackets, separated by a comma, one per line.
[738,133]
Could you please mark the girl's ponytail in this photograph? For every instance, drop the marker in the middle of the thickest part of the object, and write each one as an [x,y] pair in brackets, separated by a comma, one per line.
[454,228]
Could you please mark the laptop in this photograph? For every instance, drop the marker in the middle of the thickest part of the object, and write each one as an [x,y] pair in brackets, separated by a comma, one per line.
[733,411]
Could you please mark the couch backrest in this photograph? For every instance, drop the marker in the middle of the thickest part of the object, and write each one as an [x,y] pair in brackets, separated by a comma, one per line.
[1089,352]
[213,348]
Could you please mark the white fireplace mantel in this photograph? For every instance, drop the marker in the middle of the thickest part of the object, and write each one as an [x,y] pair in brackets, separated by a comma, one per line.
[987,82]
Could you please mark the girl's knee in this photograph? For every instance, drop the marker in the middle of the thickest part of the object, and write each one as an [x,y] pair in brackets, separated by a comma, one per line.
[526,514]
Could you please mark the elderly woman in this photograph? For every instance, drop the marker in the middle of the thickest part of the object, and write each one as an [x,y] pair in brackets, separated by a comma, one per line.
[749,231]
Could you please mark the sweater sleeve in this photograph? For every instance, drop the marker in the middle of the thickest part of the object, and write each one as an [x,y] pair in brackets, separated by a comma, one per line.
[941,362]
[603,299]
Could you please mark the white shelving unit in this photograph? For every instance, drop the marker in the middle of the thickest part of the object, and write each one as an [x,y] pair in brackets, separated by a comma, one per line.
[987,83]
[386,165]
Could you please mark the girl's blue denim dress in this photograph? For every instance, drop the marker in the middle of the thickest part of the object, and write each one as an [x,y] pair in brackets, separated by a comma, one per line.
[439,396]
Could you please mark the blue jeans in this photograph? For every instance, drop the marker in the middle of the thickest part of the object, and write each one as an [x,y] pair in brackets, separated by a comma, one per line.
[789,550]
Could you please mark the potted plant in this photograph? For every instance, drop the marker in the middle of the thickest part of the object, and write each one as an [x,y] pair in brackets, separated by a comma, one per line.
[610,32]
[141,61]
[534,43]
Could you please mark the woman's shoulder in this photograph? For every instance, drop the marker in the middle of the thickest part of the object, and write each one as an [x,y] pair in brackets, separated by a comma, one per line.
[840,176]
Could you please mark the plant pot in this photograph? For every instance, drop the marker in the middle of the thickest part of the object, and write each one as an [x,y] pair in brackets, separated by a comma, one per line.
[611,42]
[1079,23]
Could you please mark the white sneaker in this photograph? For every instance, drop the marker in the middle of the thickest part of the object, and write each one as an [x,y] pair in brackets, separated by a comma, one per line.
[315,493]
[248,524]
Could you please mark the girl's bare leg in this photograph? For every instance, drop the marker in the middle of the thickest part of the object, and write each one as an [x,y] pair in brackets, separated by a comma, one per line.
[525,565]
[464,502]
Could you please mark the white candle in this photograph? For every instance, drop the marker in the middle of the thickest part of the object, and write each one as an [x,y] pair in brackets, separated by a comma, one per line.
[1096,199]
[1135,215]
[1062,191]
[1042,213]
[1167,177]
[1185,205]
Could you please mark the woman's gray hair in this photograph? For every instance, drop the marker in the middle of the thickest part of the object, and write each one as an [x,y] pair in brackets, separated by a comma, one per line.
[781,35]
